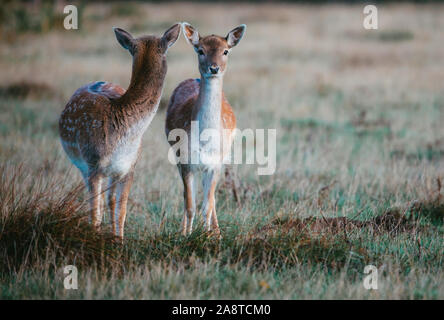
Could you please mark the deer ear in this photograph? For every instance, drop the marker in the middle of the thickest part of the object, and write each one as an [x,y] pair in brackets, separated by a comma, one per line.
[171,35]
[190,34]
[125,39]
[234,36]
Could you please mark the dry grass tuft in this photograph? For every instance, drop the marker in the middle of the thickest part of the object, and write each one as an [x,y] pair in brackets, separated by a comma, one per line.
[392,220]
[43,223]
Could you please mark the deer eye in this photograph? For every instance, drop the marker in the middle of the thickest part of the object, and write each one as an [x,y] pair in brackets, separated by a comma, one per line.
[200,52]
[225,52]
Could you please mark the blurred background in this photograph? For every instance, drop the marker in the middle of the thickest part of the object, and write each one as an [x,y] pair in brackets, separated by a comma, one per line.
[301,66]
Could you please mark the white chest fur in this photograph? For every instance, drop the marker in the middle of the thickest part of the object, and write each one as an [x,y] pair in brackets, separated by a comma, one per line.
[125,154]
[209,121]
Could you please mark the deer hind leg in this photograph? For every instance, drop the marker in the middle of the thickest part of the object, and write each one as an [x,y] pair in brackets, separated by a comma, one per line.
[189,203]
[214,222]
[112,201]
[102,203]
[122,191]
[95,189]
[210,180]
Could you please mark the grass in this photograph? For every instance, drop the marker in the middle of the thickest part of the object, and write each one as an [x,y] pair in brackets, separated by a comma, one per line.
[42,230]
[359,163]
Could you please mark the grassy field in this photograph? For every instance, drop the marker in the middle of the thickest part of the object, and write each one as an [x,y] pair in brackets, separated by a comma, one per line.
[360,159]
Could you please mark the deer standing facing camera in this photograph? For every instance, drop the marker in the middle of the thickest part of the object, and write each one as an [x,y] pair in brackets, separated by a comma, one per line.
[102,125]
[203,101]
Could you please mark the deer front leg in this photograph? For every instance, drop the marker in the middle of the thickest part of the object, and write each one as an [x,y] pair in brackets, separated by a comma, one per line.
[189,203]
[210,180]
[122,192]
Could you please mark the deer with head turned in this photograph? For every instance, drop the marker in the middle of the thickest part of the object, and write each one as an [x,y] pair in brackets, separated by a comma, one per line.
[102,125]
[202,100]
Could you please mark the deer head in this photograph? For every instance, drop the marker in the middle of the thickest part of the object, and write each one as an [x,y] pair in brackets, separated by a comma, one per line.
[149,57]
[213,51]
[152,44]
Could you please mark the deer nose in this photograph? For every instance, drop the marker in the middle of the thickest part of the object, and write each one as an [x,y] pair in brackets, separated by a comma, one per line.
[214,69]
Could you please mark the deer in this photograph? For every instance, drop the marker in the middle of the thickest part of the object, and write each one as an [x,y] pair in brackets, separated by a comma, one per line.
[202,100]
[102,125]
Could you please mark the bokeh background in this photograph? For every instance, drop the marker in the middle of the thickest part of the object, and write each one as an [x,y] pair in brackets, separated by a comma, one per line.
[360,151]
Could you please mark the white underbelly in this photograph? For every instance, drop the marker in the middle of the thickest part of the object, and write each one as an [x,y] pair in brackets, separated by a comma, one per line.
[123,157]
[206,158]
[212,153]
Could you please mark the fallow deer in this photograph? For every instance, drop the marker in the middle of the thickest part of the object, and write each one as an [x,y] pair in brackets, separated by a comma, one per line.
[202,100]
[102,125]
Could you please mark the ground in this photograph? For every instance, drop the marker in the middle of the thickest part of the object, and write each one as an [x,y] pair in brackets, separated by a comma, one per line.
[360,155]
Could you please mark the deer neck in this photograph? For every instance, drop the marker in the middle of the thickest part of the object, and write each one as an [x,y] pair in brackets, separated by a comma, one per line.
[141,99]
[209,102]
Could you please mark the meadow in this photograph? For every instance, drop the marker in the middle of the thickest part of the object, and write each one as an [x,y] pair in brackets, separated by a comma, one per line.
[360,159]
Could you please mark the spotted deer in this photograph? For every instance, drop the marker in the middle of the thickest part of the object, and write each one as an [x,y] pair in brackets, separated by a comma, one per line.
[102,125]
[202,100]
